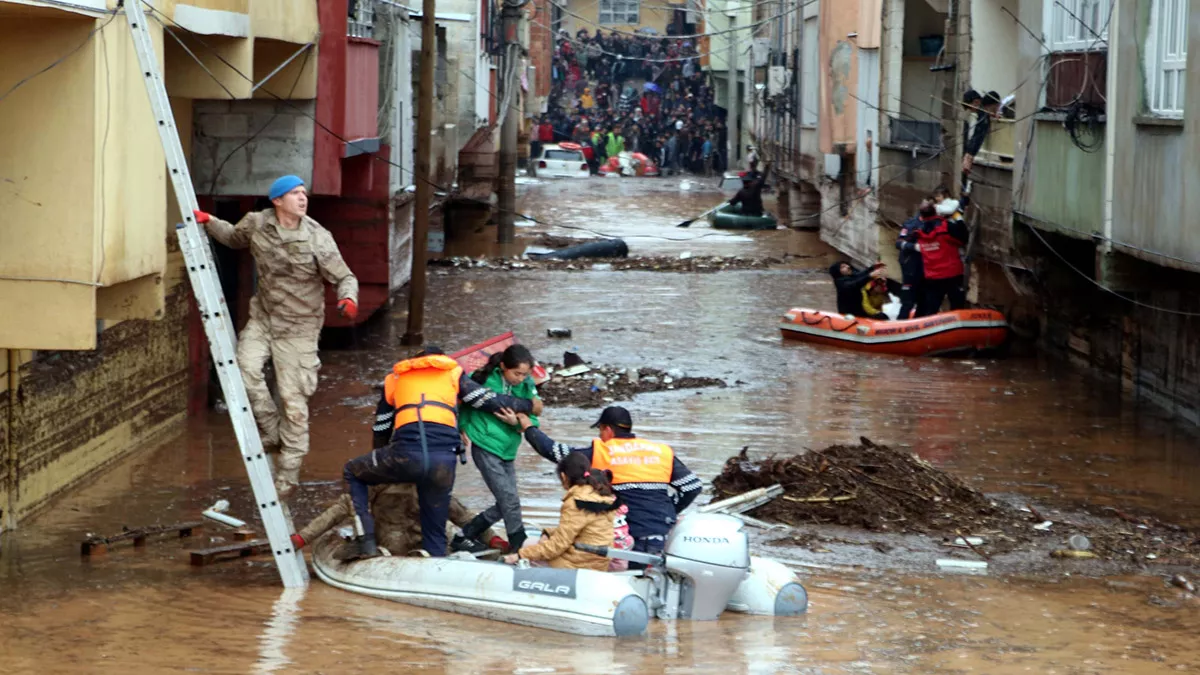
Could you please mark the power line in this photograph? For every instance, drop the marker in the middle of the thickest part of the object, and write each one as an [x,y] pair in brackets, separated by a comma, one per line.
[155,14]
[57,62]
[1101,286]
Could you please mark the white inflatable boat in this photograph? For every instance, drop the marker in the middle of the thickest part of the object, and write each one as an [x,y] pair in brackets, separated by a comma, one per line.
[705,570]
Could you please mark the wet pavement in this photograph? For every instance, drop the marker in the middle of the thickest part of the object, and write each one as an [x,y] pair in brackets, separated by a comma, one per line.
[1025,428]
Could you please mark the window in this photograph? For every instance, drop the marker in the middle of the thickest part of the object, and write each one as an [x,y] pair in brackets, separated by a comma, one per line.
[1078,41]
[809,71]
[1078,25]
[1166,57]
[619,12]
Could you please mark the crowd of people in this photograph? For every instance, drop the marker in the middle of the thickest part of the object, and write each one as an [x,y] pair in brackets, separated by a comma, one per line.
[615,92]
[930,244]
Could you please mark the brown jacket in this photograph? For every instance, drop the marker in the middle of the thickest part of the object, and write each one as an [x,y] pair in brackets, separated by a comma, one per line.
[292,266]
[586,518]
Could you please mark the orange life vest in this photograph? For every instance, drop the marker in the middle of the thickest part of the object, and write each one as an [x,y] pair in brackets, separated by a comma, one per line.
[634,460]
[424,388]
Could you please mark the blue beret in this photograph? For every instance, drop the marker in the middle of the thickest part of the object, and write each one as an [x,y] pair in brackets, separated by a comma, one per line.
[284,185]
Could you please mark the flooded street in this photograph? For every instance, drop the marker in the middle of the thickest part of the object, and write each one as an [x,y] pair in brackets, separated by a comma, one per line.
[1023,428]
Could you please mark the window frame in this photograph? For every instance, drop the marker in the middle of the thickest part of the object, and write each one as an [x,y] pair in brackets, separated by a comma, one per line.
[1058,21]
[616,10]
[1157,63]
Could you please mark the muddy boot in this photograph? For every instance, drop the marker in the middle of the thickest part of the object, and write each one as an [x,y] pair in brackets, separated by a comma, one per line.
[468,541]
[360,548]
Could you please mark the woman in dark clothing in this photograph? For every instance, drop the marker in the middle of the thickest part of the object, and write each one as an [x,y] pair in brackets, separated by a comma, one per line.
[849,283]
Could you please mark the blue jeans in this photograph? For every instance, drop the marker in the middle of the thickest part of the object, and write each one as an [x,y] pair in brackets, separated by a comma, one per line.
[399,463]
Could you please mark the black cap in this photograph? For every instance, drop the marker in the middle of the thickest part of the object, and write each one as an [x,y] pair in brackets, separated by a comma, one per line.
[615,416]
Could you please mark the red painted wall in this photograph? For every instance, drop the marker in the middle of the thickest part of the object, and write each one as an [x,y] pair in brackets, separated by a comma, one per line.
[362,88]
[331,98]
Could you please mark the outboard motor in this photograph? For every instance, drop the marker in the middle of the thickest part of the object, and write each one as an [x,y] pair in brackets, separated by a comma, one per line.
[708,557]
[704,564]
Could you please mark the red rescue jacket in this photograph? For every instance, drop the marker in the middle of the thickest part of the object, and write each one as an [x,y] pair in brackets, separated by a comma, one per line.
[940,249]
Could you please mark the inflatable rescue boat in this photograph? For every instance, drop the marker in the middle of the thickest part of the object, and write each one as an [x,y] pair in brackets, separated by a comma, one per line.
[961,331]
[705,570]
[730,218]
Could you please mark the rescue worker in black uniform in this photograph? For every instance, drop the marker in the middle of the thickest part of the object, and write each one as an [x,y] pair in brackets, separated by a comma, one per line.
[647,476]
[417,441]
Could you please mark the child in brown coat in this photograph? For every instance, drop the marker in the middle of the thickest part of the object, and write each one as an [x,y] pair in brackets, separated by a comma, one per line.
[587,514]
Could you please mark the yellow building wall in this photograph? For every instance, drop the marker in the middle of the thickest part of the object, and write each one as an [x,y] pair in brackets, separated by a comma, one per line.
[284,20]
[588,12]
[130,205]
[47,184]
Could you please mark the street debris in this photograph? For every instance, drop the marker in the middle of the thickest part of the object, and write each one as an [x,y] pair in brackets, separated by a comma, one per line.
[695,263]
[558,332]
[1072,553]
[955,563]
[96,545]
[603,248]
[873,487]
[869,486]
[1182,582]
[217,512]
[608,383]
[242,549]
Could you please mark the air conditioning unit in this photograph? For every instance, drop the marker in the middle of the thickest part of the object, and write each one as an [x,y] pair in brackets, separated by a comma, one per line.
[779,78]
[759,49]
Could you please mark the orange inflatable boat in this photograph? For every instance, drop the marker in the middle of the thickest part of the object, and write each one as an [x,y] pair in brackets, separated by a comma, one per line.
[946,333]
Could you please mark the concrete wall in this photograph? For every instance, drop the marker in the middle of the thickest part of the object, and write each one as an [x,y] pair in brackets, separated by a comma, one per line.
[994,45]
[652,15]
[283,144]
[1156,168]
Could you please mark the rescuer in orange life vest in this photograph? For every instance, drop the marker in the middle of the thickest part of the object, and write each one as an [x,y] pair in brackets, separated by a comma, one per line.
[647,476]
[417,441]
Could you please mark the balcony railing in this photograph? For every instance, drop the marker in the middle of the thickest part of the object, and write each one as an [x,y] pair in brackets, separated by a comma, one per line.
[361,22]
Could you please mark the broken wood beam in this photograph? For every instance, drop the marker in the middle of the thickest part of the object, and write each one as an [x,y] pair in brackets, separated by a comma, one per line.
[819,500]
[206,556]
[747,501]
[99,545]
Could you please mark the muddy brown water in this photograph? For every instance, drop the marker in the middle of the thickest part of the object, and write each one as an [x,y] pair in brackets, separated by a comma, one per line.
[1024,427]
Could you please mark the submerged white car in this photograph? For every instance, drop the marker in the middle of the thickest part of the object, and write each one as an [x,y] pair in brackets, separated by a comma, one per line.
[560,161]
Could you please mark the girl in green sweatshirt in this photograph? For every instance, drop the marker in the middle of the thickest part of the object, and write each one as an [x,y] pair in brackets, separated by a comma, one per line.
[494,447]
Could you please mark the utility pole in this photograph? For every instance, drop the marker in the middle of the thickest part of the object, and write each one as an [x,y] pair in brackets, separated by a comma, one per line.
[415,334]
[731,120]
[507,190]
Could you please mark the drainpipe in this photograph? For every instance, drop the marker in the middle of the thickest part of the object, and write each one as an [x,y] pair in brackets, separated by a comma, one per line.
[1110,135]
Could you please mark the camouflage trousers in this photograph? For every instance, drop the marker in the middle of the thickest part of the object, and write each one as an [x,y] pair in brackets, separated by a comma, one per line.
[294,354]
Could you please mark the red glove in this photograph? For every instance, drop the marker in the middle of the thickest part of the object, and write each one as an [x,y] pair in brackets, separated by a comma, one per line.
[201,217]
[348,308]
[298,541]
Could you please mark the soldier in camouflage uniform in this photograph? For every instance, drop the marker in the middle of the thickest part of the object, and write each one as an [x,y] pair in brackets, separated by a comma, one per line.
[294,257]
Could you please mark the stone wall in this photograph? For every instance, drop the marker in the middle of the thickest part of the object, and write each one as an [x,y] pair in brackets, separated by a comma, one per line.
[262,139]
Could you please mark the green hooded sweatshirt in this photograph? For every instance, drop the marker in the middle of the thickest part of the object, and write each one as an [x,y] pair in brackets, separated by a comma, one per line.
[489,433]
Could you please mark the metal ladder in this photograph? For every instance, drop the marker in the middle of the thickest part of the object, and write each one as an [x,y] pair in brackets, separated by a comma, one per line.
[222,339]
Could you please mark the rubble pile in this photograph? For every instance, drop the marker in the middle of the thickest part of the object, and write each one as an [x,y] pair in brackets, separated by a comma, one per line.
[869,486]
[876,488]
[619,384]
[701,264]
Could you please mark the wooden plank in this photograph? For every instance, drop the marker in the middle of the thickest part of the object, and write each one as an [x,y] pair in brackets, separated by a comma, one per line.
[206,556]
[140,535]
